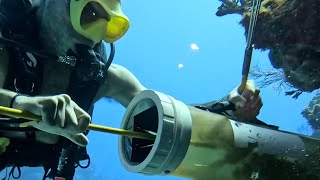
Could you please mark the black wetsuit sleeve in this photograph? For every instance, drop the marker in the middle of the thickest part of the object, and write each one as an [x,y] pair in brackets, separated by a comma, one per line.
[222,107]
[225,108]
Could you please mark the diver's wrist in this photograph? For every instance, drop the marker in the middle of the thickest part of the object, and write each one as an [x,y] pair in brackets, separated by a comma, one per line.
[13,99]
[17,101]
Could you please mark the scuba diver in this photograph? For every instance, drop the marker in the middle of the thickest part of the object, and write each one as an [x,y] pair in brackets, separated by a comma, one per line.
[54,64]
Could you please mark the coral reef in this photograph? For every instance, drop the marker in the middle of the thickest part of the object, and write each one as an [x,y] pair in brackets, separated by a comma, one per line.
[290,30]
[312,112]
[265,78]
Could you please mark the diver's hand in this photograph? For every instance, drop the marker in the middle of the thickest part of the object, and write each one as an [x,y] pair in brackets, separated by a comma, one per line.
[60,116]
[248,104]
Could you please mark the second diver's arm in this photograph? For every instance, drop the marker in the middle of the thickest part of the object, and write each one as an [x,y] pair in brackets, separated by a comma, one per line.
[243,108]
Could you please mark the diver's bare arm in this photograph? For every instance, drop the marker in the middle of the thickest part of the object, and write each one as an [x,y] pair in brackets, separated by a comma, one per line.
[120,85]
[6,97]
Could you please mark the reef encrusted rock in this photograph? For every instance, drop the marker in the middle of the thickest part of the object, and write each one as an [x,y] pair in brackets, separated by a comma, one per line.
[312,112]
[290,29]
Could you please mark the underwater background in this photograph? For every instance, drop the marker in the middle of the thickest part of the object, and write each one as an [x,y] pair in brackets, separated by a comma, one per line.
[181,48]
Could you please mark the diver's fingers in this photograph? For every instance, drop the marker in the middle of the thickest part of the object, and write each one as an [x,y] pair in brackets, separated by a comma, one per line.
[49,110]
[235,98]
[60,118]
[83,118]
[71,122]
[249,90]
[35,124]
[255,98]
[78,138]
[256,92]
[248,93]
[257,103]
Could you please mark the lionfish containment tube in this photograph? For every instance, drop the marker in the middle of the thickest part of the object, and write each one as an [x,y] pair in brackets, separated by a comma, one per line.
[201,145]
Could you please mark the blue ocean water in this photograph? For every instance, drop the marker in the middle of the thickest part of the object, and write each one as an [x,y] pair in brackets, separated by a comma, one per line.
[181,48]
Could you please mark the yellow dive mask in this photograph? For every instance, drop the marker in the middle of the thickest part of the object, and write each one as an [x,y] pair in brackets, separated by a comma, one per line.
[99,19]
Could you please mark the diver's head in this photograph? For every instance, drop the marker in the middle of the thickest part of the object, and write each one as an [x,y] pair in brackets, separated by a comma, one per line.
[65,23]
[98,19]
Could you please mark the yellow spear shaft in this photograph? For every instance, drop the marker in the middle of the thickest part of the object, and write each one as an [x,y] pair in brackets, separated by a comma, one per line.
[16,113]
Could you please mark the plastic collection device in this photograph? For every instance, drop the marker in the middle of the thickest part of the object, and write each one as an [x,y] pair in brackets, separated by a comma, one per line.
[196,144]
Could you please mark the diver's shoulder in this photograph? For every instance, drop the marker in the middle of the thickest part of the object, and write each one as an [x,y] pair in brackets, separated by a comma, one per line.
[120,85]
[117,68]
[115,75]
